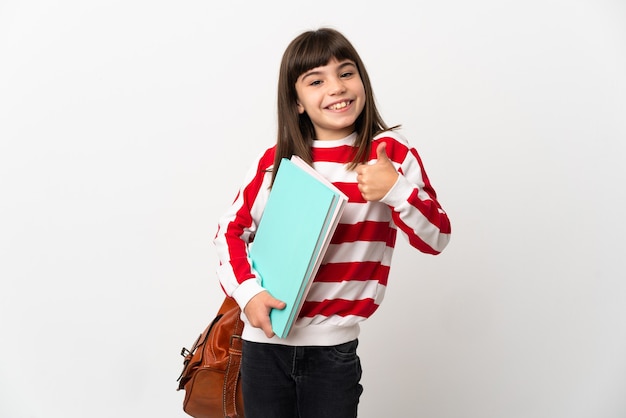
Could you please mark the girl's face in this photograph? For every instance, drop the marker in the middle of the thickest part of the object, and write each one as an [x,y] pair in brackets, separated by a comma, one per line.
[333,97]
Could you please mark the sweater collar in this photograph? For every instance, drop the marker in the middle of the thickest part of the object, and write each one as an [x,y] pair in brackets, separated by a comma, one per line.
[348,140]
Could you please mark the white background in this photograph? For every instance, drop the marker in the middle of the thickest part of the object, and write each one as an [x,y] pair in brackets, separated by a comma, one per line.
[126,127]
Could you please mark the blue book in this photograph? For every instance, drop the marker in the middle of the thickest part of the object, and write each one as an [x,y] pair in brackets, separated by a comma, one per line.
[299,219]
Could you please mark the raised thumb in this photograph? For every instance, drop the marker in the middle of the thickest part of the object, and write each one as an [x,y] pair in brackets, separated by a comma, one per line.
[381,151]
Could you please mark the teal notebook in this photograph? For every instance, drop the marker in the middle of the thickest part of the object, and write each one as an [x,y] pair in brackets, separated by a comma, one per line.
[299,219]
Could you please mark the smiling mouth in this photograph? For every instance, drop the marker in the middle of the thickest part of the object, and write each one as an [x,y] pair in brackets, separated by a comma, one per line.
[339,105]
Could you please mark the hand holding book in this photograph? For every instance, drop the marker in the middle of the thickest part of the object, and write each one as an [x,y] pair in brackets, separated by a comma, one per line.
[258,310]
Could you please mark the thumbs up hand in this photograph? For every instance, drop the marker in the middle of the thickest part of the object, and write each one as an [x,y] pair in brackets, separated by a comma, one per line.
[375,180]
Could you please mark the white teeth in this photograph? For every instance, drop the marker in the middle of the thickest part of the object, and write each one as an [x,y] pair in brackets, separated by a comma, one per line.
[337,106]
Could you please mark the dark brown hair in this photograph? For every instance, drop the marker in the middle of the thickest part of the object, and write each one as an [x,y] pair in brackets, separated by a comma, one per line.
[309,50]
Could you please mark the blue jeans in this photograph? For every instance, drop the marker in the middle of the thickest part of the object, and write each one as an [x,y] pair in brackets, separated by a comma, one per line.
[280,381]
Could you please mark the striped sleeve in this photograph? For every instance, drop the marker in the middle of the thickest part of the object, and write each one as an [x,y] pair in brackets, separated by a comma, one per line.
[236,230]
[416,210]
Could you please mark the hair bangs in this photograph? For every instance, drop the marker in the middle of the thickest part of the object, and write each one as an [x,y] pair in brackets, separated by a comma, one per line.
[316,49]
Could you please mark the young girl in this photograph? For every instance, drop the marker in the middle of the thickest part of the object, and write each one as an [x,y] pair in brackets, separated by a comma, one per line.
[328,117]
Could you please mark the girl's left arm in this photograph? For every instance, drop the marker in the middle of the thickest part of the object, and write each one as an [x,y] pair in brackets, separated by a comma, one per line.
[415,208]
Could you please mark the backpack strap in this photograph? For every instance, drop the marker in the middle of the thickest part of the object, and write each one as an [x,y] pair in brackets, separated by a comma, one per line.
[231,379]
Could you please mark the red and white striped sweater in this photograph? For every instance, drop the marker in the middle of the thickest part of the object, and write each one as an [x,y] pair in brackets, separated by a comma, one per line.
[351,281]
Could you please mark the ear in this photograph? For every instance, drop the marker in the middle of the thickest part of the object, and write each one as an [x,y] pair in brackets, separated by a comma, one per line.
[300,107]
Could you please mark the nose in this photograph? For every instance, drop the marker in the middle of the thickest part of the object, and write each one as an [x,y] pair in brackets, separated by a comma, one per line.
[336,86]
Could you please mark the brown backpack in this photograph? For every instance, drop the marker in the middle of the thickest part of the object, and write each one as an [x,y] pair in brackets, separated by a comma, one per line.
[210,375]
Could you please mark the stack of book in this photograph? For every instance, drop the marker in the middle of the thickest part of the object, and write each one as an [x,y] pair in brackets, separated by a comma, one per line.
[298,222]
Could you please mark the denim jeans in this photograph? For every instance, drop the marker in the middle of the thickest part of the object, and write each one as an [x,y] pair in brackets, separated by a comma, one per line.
[280,381]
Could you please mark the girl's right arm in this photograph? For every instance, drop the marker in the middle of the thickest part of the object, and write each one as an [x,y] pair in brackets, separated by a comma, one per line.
[236,230]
